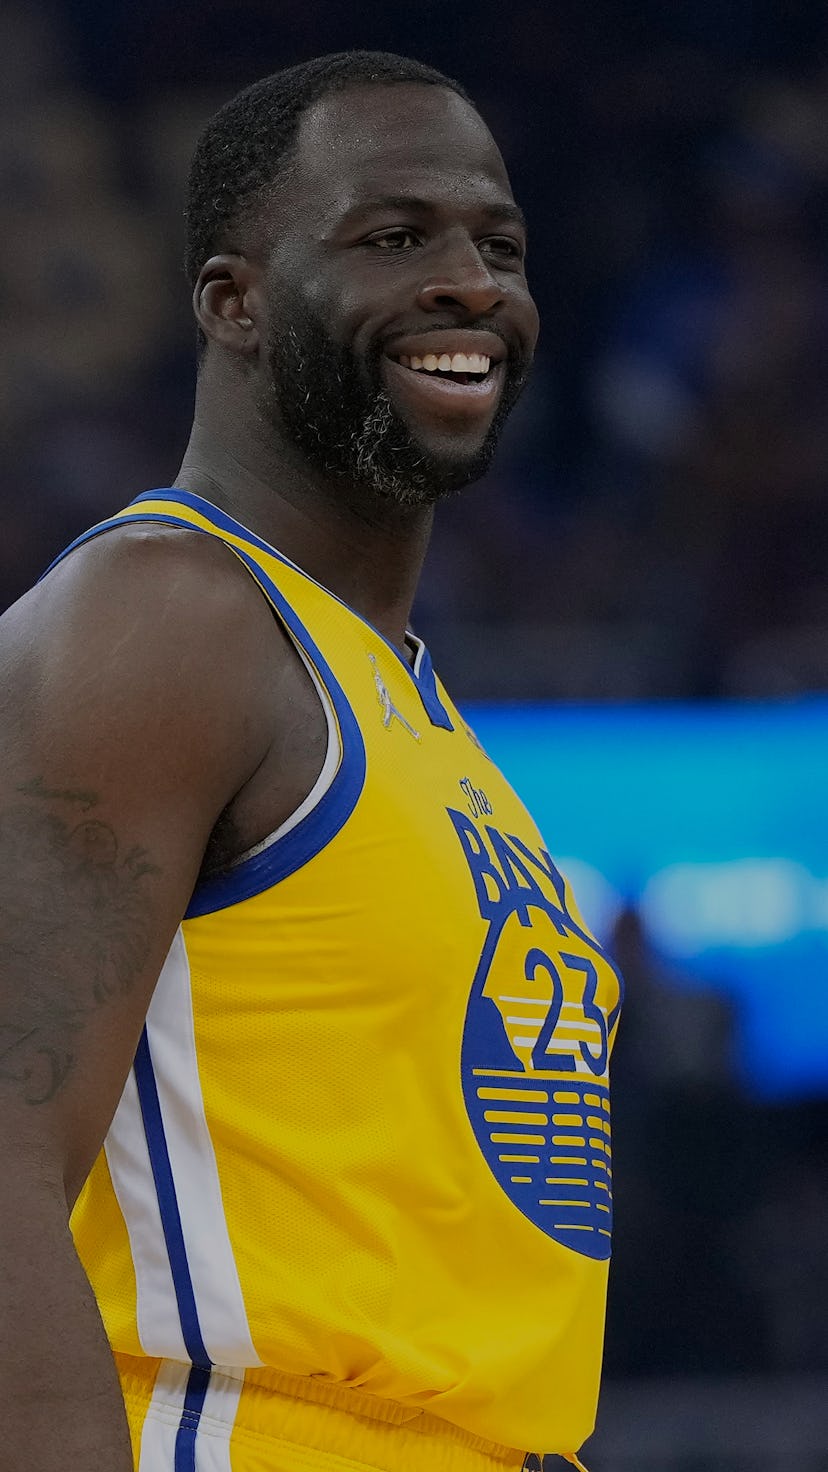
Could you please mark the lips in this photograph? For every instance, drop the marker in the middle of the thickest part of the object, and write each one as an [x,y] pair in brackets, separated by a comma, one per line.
[452,373]
[474,399]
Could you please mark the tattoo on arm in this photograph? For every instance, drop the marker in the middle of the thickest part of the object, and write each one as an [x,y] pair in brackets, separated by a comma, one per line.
[37,788]
[74,932]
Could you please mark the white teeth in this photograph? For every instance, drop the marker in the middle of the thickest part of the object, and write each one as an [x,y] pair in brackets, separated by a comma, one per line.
[448,362]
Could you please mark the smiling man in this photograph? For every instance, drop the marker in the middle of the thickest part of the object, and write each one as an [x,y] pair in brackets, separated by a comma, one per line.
[299,1020]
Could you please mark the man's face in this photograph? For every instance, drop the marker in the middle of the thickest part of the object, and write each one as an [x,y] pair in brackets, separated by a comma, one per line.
[400,325]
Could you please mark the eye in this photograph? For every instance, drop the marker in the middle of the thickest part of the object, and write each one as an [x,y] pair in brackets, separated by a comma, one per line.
[401,239]
[503,246]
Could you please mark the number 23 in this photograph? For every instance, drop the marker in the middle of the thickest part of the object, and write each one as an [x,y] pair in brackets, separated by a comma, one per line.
[541,1059]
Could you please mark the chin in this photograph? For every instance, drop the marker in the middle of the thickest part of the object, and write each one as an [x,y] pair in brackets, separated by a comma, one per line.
[414,464]
[457,468]
[450,445]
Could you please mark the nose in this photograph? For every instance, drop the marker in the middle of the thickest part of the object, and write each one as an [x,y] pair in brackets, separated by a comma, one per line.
[461,280]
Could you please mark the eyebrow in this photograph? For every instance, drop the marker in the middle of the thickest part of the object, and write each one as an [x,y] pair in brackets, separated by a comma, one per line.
[505,210]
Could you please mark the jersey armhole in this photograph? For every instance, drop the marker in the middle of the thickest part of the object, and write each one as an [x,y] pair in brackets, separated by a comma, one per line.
[330,766]
[331,800]
[334,795]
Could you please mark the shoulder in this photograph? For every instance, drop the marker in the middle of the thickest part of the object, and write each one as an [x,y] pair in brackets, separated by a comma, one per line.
[150,627]
[175,565]
[145,583]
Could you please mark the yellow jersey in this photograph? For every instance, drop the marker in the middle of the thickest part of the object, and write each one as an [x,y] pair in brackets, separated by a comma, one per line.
[366,1138]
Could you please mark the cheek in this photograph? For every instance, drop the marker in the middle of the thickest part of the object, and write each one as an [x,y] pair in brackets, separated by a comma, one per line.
[311,285]
[356,317]
[360,302]
[528,319]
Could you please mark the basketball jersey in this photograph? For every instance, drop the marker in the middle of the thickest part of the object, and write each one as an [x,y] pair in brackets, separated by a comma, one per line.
[366,1136]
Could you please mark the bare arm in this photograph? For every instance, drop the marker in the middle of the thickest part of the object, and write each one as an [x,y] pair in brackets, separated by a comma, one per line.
[134,706]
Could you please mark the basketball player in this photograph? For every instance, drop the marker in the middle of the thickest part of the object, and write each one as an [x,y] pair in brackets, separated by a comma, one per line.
[298,1018]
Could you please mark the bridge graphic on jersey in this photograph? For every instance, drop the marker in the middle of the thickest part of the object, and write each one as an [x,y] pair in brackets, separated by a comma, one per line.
[542,1009]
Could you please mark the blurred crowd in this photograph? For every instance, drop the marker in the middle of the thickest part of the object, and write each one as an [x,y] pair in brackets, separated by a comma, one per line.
[719,1261]
[657,524]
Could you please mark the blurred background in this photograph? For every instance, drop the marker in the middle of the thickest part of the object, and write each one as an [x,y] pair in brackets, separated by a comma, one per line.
[650,554]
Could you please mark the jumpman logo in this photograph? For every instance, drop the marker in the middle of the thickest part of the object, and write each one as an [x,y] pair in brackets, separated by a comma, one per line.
[389,710]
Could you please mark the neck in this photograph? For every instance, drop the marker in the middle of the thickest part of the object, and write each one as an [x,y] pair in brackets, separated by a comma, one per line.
[367,551]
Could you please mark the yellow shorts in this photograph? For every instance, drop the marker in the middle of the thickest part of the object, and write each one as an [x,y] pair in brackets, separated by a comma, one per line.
[184,1420]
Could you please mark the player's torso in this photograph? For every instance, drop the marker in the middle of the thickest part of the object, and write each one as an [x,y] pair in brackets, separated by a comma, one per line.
[373,1084]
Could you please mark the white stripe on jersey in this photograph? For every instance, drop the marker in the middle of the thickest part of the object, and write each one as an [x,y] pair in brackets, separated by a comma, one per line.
[212,1267]
[128,1159]
[163,1419]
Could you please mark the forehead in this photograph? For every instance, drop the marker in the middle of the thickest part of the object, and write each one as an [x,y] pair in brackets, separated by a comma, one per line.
[378,140]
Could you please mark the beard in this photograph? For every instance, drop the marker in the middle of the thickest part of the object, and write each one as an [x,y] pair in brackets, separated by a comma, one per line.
[334,408]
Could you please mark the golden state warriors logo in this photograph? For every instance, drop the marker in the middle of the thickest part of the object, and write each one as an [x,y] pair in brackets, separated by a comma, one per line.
[541,1015]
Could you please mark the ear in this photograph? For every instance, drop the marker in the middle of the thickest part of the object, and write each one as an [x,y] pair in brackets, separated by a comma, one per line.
[227,303]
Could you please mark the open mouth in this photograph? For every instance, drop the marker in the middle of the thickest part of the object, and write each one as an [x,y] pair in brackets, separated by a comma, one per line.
[461,368]
[461,386]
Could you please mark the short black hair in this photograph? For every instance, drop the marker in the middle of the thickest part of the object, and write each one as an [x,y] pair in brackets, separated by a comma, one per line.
[248,141]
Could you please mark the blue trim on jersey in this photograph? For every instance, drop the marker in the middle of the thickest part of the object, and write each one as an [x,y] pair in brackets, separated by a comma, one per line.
[423,672]
[87,536]
[168,1203]
[185,1439]
[422,676]
[427,682]
[284,855]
